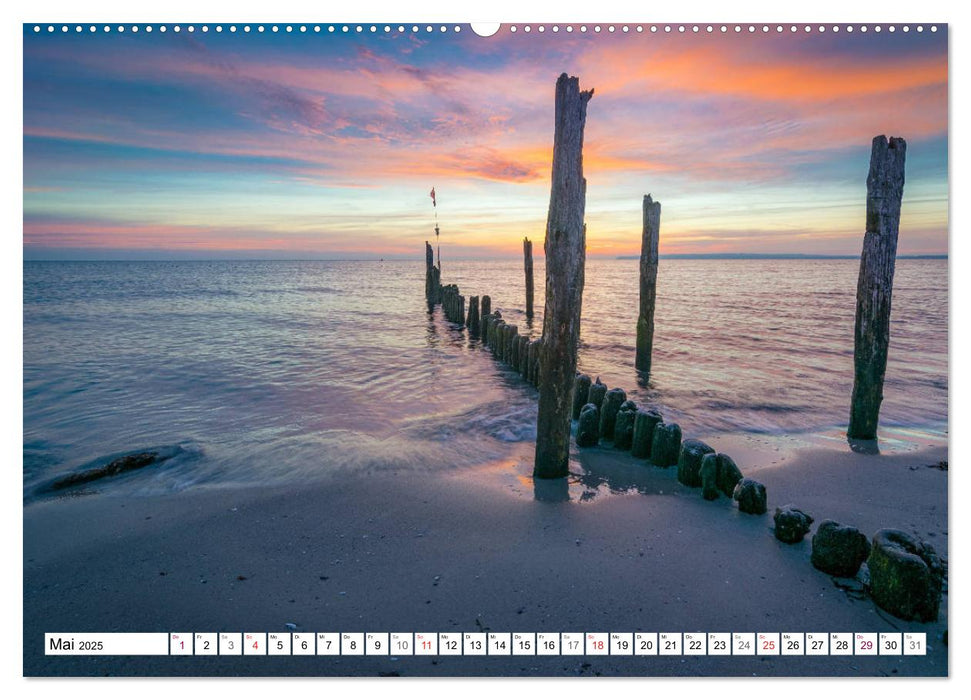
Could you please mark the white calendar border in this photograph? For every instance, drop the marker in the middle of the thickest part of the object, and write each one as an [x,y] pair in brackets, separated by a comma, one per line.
[606,10]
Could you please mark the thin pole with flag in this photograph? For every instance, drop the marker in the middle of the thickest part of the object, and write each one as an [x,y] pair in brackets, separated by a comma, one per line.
[437,242]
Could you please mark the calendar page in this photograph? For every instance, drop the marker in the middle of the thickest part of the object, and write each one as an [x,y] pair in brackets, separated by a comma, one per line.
[436,349]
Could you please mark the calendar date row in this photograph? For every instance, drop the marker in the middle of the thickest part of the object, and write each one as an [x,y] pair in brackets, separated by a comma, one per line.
[488,644]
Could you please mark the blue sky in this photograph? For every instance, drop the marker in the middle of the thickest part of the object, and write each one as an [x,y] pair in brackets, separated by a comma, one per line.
[326,145]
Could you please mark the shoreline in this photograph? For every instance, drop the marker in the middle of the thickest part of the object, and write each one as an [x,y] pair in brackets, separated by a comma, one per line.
[643,553]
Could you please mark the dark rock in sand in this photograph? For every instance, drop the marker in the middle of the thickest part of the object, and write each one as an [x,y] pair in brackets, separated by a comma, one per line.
[791,524]
[581,390]
[624,425]
[906,576]
[750,495]
[728,475]
[709,477]
[666,445]
[644,424]
[689,462]
[598,390]
[118,466]
[608,412]
[838,549]
[588,426]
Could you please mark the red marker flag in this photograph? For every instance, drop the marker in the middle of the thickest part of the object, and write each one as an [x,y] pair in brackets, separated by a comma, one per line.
[432,194]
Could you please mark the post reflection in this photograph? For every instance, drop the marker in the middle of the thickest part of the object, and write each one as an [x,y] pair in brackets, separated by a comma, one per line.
[551,490]
[864,447]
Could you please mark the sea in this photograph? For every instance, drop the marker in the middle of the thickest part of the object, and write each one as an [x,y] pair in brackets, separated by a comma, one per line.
[254,373]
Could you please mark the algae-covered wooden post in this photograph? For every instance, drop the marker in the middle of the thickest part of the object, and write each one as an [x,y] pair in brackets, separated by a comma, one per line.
[528,263]
[885,188]
[645,319]
[565,249]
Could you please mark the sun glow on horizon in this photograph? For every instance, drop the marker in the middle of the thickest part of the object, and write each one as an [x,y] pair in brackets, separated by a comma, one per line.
[329,144]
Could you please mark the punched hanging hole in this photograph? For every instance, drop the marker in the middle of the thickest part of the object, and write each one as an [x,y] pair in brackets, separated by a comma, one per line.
[485,28]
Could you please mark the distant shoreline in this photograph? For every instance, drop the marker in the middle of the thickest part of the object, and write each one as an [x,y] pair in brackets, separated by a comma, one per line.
[670,256]
[772,256]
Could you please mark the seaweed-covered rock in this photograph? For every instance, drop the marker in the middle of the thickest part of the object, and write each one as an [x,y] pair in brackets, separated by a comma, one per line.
[644,423]
[666,445]
[614,399]
[709,477]
[624,425]
[906,576]
[118,466]
[839,550]
[588,426]
[791,524]
[581,389]
[728,475]
[598,390]
[750,495]
[689,462]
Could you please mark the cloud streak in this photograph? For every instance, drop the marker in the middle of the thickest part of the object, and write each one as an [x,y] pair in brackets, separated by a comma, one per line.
[302,128]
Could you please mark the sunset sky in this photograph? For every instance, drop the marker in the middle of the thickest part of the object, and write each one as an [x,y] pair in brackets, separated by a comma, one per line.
[215,145]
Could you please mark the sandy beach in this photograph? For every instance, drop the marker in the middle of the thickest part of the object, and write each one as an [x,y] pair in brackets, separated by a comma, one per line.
[480,550]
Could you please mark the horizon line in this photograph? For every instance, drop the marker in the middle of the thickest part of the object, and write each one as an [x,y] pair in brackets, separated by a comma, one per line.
[666,256]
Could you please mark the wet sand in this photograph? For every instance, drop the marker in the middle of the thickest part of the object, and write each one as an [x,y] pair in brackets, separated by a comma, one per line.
[481,549]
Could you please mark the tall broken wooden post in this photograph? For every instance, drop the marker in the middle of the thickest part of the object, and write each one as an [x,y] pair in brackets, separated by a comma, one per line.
[885,188]
[432,276]
[528,263]
[645,319]
[565,249]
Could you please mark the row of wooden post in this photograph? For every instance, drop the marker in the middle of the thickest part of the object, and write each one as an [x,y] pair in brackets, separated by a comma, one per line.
[453,303]
[551,362]
[520,352]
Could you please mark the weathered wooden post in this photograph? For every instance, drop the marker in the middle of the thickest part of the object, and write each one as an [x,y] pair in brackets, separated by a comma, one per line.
[496,335]
[432,283]
[565,249]
[528,263]
[581,388]
[645,320]
[530,364]
[485,315]
[472,319]
[537,361]
[885,189]
[523,355]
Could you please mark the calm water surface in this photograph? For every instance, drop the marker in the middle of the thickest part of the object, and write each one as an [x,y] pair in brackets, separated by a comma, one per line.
[273,371]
